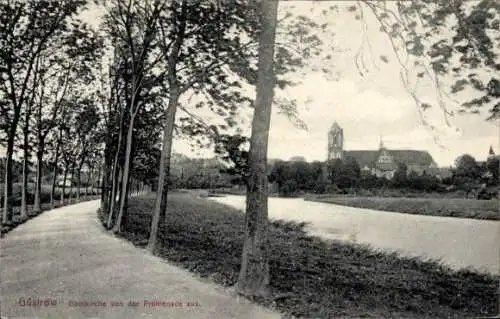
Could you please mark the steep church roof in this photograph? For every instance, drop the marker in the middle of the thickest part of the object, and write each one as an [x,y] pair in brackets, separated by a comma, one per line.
[412,157]
[491,153]
[408,157]
[364,158]
[386,166]
[335,126]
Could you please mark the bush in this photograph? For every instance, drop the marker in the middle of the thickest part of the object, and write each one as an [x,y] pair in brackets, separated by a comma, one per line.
[289,188]
[334,189]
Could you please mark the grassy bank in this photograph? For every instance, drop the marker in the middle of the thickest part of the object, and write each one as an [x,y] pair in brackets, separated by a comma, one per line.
[45,205]
[309,277]
[447,207]
[45,194]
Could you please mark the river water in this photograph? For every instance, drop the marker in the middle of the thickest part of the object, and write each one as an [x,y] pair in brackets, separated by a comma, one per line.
[458,242]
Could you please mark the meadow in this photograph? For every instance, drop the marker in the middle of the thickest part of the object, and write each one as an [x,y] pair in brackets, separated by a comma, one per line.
[445,207]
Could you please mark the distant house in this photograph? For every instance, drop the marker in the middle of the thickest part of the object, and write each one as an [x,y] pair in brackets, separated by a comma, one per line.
[382,162]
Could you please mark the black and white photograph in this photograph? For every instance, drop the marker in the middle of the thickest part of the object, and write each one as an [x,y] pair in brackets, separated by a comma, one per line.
[249,159]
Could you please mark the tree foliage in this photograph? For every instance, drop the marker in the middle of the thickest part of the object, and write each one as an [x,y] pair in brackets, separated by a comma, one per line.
[231,150]
[28,32]
[454,45]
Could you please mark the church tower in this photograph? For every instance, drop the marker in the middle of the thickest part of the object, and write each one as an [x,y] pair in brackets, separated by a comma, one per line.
[335,142]
[491,154]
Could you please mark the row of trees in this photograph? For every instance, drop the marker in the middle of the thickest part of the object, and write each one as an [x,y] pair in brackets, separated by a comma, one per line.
[470,176]
[163,51]
[109,98]
[291,177]
[76,96]
[193,173]
[342,176]
[46,62]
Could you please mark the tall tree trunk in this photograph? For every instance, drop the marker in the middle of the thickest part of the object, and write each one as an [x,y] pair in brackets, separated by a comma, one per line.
[2,174]
[53,187]
[114,194]
[114,173]
[79,181]
[105,187]
[110,186]
[17,103]
[126,195]
[92,189]
[164,194]
[86,188]
[63,190]
[24,190]
[99,177]
[7,204]
[26,155]
[54,177]
[105,181]
[71,195]
[159,212]
[90,183]
[253,279]
[126,173]
[38,185]
[119,184]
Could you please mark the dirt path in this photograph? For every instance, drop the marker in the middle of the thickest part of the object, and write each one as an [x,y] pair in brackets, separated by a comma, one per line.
[64,260]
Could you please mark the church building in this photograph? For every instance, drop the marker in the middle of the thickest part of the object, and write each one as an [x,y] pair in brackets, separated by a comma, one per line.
[382,162]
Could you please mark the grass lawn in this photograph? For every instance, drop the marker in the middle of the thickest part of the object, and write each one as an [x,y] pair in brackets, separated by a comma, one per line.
[448,207]
[310,277]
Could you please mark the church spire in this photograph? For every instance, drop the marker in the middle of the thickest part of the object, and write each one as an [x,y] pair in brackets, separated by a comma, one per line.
[491,153]
[335,126]
[381,145]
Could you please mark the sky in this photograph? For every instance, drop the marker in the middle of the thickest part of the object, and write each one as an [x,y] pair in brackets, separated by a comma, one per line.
[368,108]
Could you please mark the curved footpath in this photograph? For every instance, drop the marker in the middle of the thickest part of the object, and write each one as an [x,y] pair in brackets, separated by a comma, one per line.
[63,264]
